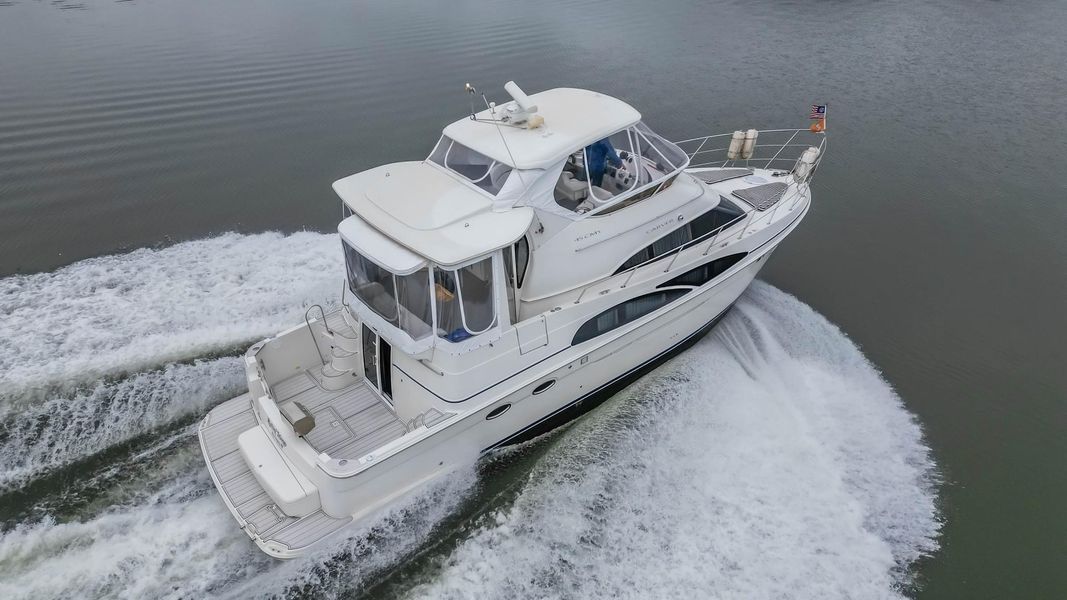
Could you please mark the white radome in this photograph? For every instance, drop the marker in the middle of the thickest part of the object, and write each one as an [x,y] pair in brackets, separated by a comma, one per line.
[547,253]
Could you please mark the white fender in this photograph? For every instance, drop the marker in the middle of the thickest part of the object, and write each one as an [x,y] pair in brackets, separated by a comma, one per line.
[805,164]
[738,139]
[749,147]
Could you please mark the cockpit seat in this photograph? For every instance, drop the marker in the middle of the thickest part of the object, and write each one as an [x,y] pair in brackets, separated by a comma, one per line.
[570,188]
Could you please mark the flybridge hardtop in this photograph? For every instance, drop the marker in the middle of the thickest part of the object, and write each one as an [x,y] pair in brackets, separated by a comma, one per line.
[427,211]
[449,219]
[572,119]
[548,251]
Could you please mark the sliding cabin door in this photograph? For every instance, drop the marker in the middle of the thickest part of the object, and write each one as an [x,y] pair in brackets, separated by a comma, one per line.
[377,362]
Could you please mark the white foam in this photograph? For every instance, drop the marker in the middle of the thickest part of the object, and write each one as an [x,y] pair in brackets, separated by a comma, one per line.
[160,549]
[66,427]
[769,461]
[181,542]
[127,312]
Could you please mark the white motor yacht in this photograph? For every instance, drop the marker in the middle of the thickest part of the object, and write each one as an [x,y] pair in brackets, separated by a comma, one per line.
[547,253]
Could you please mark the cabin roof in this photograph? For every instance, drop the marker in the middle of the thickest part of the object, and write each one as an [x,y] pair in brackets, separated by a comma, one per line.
[428,212]
[573,119]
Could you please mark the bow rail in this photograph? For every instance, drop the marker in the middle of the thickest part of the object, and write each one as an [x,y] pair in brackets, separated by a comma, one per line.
[775,149]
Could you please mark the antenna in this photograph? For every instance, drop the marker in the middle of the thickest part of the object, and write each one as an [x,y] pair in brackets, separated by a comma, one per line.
[472,91]
[520,97]
[522,109]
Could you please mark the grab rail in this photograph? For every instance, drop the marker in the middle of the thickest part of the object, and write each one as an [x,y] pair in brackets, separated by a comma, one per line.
[817,139]
[307,321]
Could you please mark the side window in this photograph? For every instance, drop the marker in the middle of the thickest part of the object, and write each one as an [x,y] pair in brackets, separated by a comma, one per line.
[522,259]
[624,313]
[476,295]
[413,296]
[465,304]
[704,273]
[516,259]
[725,213]
[449,317]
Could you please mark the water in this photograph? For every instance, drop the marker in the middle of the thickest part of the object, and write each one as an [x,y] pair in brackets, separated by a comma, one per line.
[770,460]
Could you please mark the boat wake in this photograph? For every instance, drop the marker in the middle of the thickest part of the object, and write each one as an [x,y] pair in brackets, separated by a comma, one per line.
[769,460]
[38,437]
[122,313]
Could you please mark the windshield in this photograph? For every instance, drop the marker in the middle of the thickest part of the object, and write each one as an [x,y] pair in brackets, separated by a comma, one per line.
[402,300]
[473,166]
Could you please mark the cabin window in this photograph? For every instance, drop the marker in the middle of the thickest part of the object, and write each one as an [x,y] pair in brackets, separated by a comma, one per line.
[624,313]
[402,300]
[704,273]
[471,165]
[413,296]
[700,228]
[516,260]
[372,284]
[476,295]
[465,302]
[522,259]
[725,213]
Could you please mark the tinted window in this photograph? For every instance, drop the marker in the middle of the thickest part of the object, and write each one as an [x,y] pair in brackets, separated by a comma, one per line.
[725,213]
[628,311]
[522,259]
[706,272]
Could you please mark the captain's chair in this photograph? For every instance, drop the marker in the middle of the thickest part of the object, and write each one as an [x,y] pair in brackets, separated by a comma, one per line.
[570,189]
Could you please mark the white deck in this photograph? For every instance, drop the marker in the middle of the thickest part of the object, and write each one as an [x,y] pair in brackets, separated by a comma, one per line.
[349,423]
[254,509]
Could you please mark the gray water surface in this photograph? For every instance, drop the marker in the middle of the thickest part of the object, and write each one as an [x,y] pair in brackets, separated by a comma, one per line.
[935,242]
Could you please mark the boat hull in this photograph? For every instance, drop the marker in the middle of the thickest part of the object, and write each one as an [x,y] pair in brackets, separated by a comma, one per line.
[594,399]
[579,385]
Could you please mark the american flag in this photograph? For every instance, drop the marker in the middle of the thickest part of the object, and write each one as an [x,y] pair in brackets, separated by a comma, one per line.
[818,111]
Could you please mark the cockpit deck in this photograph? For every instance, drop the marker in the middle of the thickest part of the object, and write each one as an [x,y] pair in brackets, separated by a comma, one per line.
[258,514]
[349,423]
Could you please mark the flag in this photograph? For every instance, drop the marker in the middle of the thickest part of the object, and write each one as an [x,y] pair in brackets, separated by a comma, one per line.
[818,111]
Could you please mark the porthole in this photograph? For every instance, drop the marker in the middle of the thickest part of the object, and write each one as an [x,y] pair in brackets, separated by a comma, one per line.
[544,386]
[496,412]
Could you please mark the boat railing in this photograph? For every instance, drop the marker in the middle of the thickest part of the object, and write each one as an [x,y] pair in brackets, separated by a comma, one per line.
[774,149]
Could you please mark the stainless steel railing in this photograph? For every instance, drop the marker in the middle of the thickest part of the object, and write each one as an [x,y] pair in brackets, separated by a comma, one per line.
[775,148]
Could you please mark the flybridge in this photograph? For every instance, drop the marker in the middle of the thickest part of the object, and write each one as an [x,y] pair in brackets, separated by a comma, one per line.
[572,118]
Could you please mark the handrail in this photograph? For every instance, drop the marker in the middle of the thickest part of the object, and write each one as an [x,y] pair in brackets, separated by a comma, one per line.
[774,151]
[307,321]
